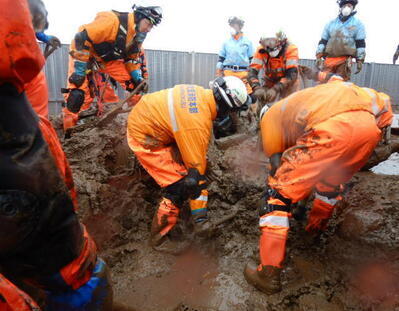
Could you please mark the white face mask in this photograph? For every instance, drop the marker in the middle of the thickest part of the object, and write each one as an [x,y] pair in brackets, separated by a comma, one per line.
[274,53]
[346,11]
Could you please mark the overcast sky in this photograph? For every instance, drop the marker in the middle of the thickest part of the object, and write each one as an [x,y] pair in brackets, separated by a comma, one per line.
[201,25]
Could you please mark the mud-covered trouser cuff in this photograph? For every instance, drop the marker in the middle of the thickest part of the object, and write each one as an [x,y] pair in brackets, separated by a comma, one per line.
[167,216]
[95,294]
[198,206]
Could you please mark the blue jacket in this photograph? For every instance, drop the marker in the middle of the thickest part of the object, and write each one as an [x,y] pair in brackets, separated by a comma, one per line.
[236,53]
[344,38]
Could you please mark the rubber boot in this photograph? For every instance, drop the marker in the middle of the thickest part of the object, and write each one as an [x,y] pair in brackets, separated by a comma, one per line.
[266,279]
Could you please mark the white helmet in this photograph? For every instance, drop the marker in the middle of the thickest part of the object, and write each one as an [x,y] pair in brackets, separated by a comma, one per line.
[231,91]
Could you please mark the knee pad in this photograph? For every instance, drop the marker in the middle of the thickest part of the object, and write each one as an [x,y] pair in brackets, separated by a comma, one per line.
[75,100]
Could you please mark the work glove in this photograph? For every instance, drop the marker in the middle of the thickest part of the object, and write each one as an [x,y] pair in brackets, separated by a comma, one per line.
[319,216]
[219,73]
[271,95]
[204,228]
[145,87]
[261,94]
[54,42]
[137,76]
[308,73]
[359,66]
[319,61]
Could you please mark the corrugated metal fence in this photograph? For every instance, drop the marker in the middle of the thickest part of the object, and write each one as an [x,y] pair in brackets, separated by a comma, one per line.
[167,68]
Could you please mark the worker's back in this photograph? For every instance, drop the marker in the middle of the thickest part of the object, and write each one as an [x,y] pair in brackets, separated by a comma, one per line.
[182,110]
[290,118]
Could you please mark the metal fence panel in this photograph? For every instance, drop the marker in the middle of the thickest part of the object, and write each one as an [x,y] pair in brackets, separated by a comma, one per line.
[168,68]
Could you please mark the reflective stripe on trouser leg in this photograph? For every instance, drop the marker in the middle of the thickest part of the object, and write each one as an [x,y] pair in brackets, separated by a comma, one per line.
[274,228]
[167,216]
[198,206]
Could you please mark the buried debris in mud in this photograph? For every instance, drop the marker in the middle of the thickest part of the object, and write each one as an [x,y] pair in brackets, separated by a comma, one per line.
[352,266]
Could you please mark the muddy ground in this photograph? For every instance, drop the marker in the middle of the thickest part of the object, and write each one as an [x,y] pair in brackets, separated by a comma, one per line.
[353,266]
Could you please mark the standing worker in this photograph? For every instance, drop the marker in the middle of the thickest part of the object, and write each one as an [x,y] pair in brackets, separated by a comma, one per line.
[236,54]
[114,40]
[317,138]
[279,59]
[343,39]
[169,131]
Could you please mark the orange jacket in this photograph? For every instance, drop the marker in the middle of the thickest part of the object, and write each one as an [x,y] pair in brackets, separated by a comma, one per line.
[21,58]
[275,68]
[102,33]
[297,114]
[181,115]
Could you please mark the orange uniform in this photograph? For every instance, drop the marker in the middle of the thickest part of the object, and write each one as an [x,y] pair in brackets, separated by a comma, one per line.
[110,40]
[22,59]
[325,135]
[13,299]
[37,93]
[41,240]
[276,69]
[169,131]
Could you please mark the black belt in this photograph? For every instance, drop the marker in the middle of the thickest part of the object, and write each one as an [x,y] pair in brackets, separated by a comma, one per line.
[236,68]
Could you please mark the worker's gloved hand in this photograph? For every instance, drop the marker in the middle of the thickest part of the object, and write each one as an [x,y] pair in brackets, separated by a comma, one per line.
[219,73]
[359,66]
[54,42]
[319,61]
[308,73]
[194,183]
[137,76]
[319,216]
[204,228]
[261,94]
[271,95]
[145,87]
[75,100]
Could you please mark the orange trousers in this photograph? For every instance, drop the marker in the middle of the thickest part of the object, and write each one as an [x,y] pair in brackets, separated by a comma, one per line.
[322,159]
[37,93]
[13,299]
[338,66]
[116,69]
[162,165]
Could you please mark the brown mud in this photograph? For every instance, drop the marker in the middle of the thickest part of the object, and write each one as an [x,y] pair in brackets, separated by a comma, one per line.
[352,266]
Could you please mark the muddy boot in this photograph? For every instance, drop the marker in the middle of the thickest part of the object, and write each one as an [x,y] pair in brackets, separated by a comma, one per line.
[169,245]
[204,229]
[266,280]
[165,236]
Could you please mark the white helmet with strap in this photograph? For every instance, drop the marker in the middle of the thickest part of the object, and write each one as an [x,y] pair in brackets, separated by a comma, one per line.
[231,92]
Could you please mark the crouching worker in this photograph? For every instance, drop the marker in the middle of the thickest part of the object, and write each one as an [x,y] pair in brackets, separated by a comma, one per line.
[169,132]
[318,139]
